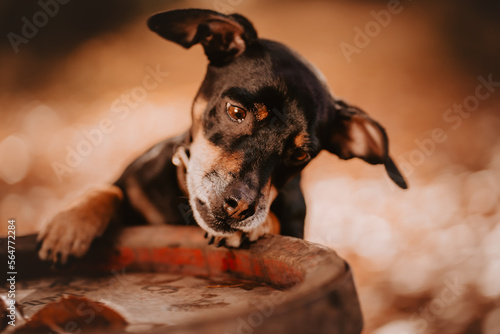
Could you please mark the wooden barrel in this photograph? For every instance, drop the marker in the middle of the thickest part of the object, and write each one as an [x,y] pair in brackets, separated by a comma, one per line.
[167,279]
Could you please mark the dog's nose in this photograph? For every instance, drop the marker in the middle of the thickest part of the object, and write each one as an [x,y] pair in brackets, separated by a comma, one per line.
[238,208]
[239,201]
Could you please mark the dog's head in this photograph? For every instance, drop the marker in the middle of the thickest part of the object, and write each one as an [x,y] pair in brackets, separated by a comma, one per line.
[261,114]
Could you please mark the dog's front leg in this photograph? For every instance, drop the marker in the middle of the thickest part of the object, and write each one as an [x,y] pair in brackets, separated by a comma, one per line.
[70,233]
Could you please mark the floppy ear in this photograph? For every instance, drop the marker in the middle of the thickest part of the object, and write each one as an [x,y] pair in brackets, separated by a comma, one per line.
[222,36]
[352,133]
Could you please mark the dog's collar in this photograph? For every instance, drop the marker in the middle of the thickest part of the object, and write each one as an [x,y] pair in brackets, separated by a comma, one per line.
[181,160]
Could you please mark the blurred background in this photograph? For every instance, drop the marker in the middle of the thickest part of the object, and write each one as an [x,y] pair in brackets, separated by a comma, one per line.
[76,109]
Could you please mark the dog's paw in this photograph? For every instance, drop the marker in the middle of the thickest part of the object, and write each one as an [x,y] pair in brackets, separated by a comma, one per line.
[258,232]
[65,237]
[234,240]
[271,225]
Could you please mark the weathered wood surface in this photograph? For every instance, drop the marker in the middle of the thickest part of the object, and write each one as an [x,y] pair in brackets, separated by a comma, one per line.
[283,284]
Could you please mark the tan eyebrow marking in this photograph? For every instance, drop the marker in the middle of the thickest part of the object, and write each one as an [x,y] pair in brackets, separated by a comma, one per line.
[301,139]
[262,111]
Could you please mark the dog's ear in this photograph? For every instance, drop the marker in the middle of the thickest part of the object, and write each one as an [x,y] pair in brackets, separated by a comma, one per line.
[222,36]
[350,133]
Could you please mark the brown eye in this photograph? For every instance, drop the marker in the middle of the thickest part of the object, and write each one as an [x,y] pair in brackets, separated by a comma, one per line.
[300,155]
[236,114]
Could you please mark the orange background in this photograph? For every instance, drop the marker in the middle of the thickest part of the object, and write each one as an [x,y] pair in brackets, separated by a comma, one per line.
[425,260]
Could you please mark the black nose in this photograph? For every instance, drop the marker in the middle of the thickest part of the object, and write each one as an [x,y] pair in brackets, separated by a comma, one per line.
[239,209]
[239,201]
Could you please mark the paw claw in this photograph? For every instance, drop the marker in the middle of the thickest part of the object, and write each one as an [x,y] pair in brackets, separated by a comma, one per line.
[222,242]
[244,239]
[63,264]
[70,259]
[234,240]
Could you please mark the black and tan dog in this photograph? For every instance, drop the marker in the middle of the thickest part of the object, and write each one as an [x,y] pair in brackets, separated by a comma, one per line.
[261,114]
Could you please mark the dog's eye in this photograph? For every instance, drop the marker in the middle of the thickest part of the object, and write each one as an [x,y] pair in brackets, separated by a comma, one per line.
[236,114]
[300,155]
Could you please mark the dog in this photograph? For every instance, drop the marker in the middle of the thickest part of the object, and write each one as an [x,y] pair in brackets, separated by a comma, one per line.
[261,115]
